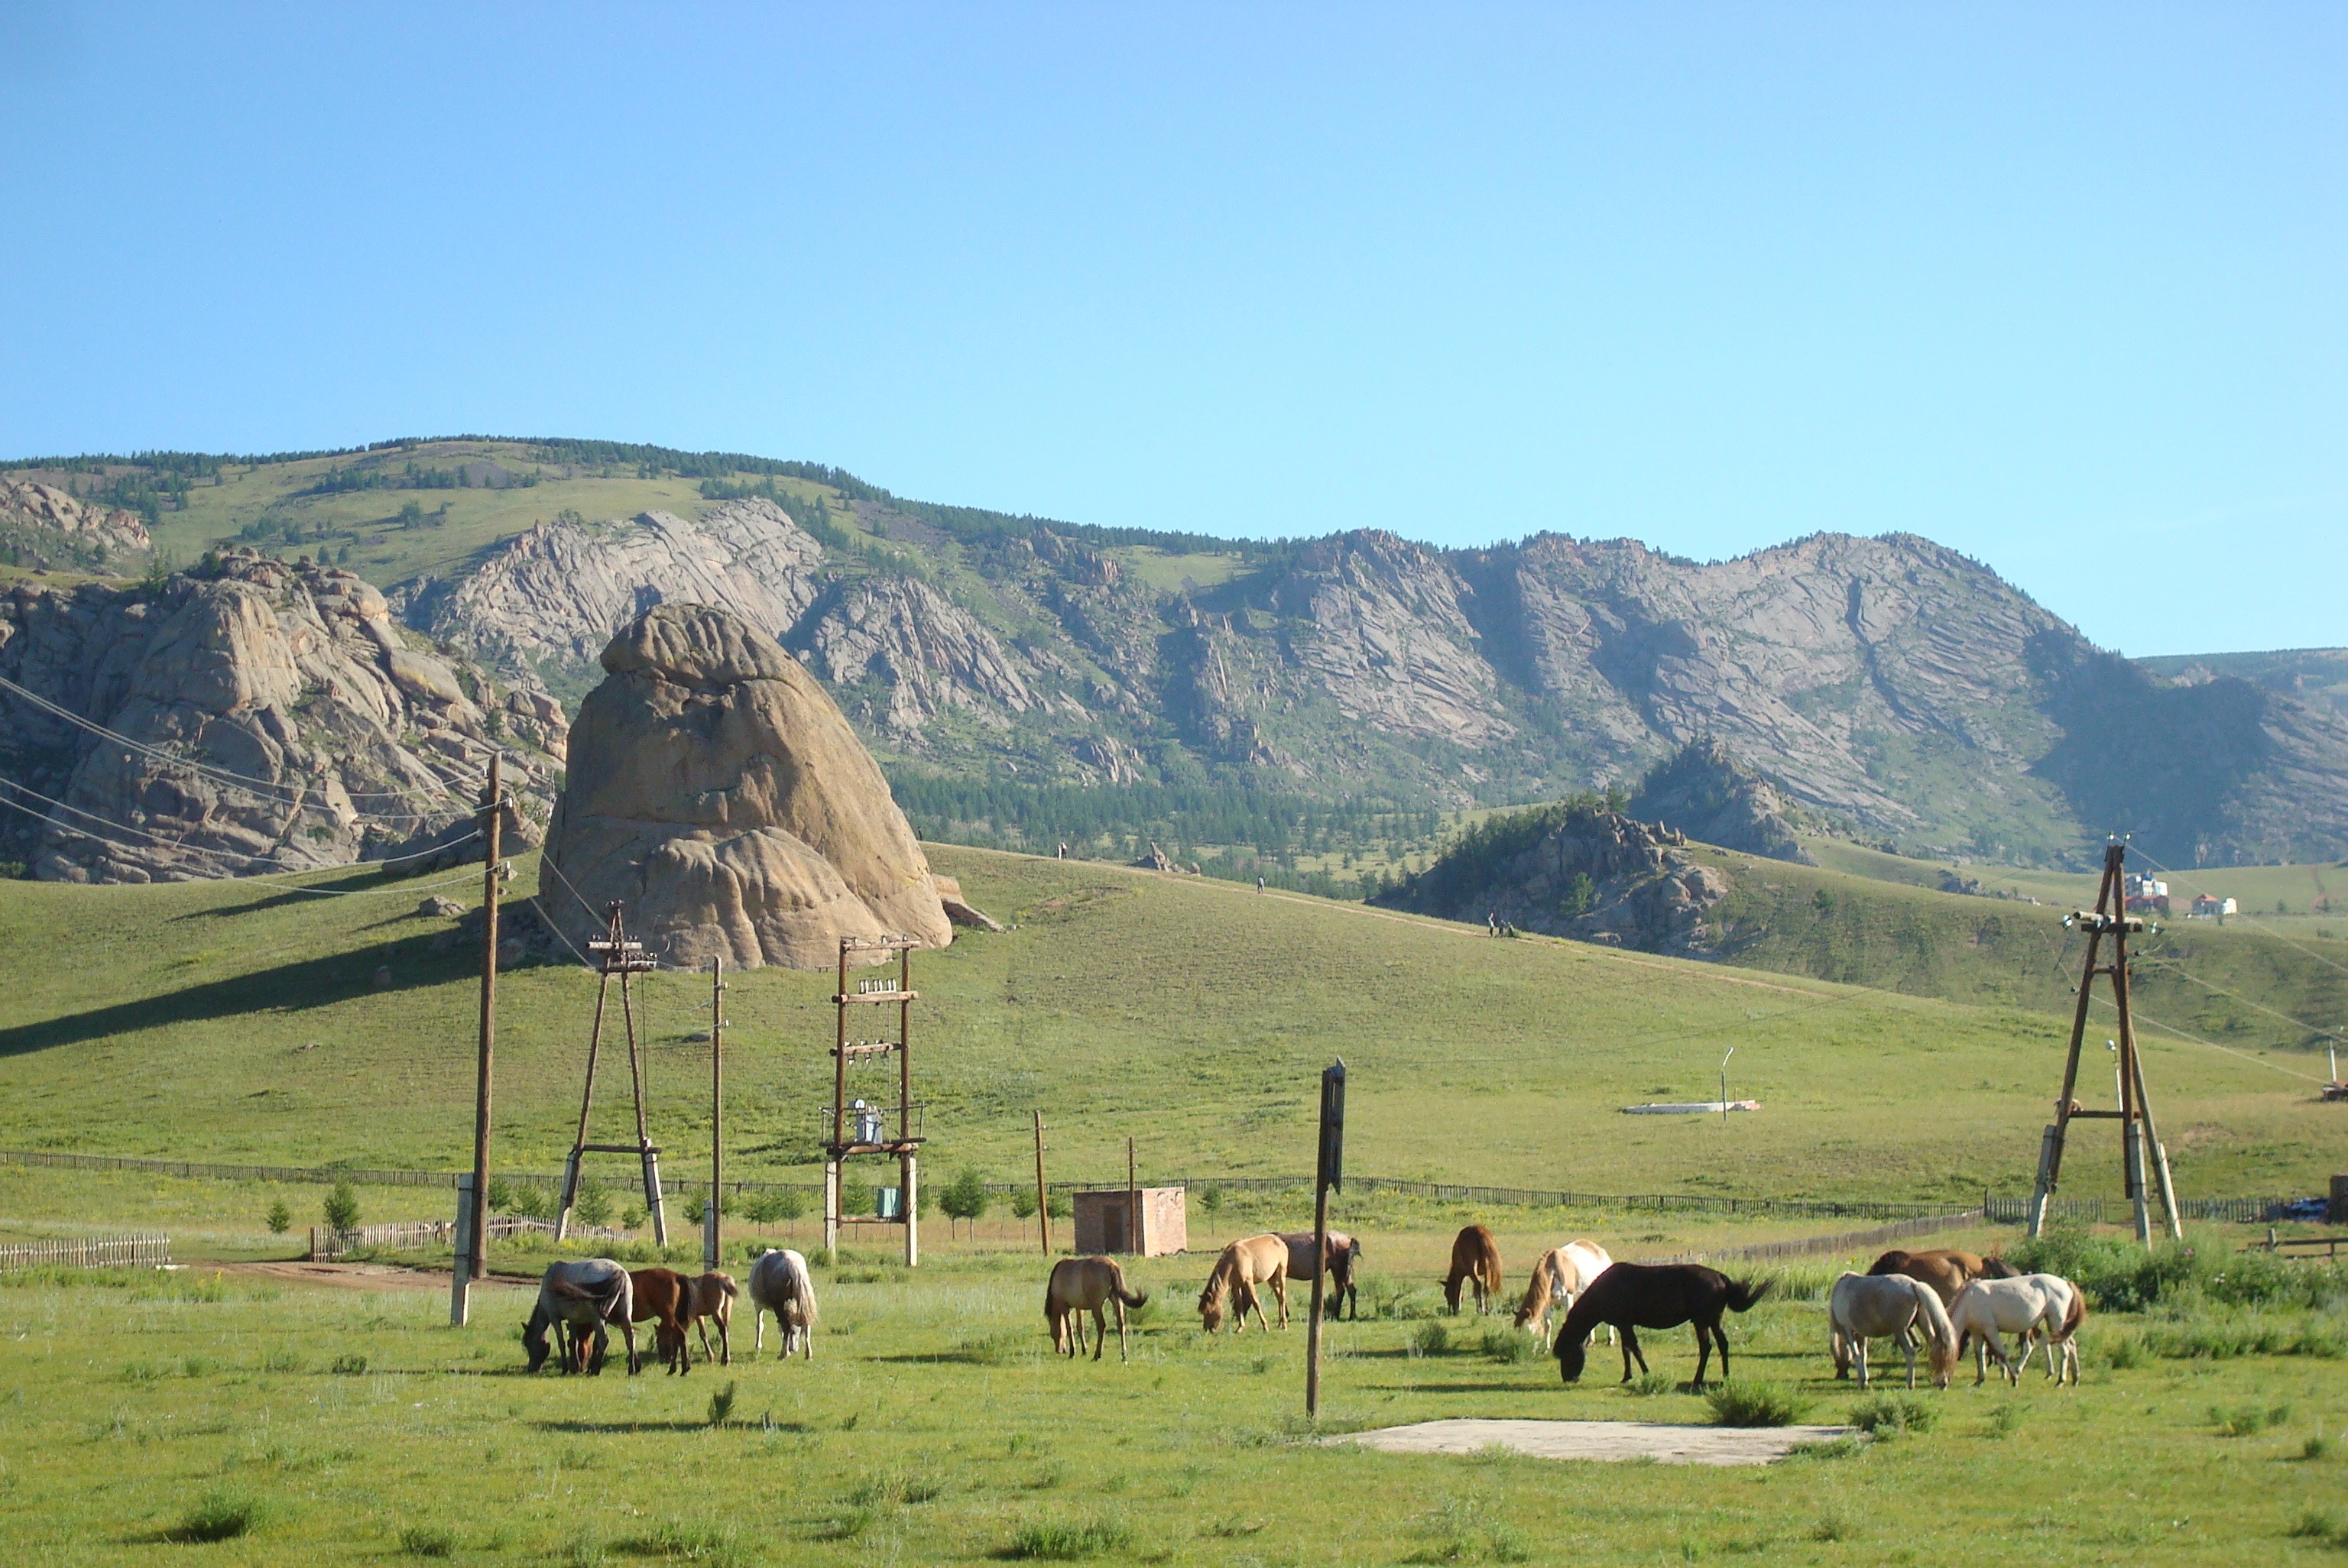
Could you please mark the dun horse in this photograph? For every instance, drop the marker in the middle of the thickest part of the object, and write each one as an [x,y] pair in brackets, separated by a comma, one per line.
[1945,1269]
[1862,1307]
[780,1283]
[1082,1284]
[1475,1260]
[1246,1264]
[1635,1296]
[1344,1258]
[582,1298]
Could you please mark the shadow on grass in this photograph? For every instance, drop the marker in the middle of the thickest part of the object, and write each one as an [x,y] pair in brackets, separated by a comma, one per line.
[310,983]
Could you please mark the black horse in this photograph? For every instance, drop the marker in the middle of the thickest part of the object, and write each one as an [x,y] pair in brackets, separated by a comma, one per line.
[1635,1296]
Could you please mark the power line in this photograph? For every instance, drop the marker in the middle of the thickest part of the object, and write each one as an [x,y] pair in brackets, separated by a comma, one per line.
[2182,973]
[219,774]
[2181,1034]
[2253,919]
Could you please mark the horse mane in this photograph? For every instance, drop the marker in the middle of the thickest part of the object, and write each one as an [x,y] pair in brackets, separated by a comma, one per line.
[1537,1294]
[1219,1278]
[1946,1347]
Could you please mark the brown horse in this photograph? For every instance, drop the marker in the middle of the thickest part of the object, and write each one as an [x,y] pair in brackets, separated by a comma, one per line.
[710,1299]
[1082,1284]
[1246,1264]
[1344,1256]
[1945,1269]
[1474,1259]
[660,1292]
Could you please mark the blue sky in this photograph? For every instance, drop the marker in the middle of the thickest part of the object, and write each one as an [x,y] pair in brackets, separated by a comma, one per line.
[2059,287]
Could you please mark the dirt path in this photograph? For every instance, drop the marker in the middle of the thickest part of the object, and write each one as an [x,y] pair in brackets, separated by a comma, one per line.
[350,1276]
[1656,1440]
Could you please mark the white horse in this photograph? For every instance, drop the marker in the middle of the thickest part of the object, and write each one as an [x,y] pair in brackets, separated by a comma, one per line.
[1861,1306]
[1562,1273]
[2034,1303]
[579,1299]
[780,1283]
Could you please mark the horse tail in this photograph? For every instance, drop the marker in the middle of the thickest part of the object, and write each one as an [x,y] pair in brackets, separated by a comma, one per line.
[2075,1314]
[1946,1347]
[1743,1294]
[1125,1293]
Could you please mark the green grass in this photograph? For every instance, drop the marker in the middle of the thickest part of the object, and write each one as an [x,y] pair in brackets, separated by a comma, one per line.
[229,1021]
[890,1447]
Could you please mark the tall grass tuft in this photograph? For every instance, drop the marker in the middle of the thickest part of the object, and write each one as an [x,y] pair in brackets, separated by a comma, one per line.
[1508,1345]
[1894,1413]
[721,1406]
[221,1514]
[1064,1540]
[1755,1405]
[428,1540]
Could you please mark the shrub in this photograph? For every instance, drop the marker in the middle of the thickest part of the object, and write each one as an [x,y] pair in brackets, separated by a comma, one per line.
[351,1365]
[2248,1420]
[280,1219]
[1894,1413]
[500,1195]
[2312,1524]
[2316,1447]
[1063,1540]
[221,1515]
[2123,1352]
[1508,1345]
[1755,1405]
[1429,1338]
[721,1406]
[593,1203]
[342,1207]
[428,1540]
[1647,1385]
[1022,1203]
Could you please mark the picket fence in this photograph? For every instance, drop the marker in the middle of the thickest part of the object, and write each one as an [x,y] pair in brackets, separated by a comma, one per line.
[97,1252]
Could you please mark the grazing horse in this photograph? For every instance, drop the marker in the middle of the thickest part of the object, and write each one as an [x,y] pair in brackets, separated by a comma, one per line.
[780,1284]
[1246,1264]
[1945,1269]
[1635,1296]
[660,1296]
[2025,1306]
[583,1297]
[1082,1284]
[1344,1258]
[710,1299]
[1862,1307]
[1562,1273]
[1474,1259]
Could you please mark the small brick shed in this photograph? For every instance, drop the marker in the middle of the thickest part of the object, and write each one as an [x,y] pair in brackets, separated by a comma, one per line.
[1103,1222]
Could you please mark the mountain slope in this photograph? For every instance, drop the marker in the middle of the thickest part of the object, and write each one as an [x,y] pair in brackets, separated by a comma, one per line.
[1888,688]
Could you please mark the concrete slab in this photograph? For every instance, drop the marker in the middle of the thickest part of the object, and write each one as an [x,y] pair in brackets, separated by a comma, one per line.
[1657,1441]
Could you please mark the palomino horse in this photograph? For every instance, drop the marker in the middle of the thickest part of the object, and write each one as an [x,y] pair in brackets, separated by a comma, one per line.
[1862,1307]
[1476,1260]
[710,1299]
[1246,1264]
[2027,1306]
[1562,1273]
[1635,1296]
[780,1284]
[1082,1284]
[1945,1269]
[584,1297]
[660,1294]
[1344,1258]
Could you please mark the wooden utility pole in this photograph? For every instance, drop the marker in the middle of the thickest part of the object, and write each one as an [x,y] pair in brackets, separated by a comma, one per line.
[2139,1141]
[475,1263]
[1330,1172]
[1042,1194]
[710,1237]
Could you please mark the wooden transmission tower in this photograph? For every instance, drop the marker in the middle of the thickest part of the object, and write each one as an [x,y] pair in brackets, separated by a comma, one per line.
[2108,921]
[860,1128]
[620,956]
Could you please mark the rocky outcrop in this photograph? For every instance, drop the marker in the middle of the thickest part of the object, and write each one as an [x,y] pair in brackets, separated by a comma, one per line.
[541,607]
[42,525]
[1578,871]
[270,717]
[717,791]
[1701,793]
[924,652]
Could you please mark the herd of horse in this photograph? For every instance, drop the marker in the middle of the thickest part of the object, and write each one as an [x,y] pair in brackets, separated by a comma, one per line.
[1943,1299]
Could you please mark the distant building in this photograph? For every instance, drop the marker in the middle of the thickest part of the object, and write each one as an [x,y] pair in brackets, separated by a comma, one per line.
[2146,895]
[2206,908]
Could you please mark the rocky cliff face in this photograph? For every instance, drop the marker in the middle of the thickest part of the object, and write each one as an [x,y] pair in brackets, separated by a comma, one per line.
[44,527]
[1887,687]
[1701,793]
[716,791]
[271,718]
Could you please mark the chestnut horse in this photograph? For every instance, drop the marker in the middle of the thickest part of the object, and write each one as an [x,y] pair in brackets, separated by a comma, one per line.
[1635,1296]
[1476,1260]
[1246,1264]
[710,1299]
[1082,1284]
[660,1292]
[1945,1269]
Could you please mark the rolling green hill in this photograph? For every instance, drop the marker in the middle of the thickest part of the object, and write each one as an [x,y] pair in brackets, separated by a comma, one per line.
[231,1020]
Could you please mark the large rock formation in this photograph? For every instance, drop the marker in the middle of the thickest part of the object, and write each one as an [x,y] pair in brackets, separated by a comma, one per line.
[272,717]
[541,607]
[715,790]
[41,526]
[1703,793]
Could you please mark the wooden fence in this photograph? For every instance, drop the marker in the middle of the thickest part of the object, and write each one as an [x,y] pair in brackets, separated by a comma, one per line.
[99,1252]
[426,1235]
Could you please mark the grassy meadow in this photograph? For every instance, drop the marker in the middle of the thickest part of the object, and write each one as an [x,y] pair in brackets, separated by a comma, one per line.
[235,1020]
